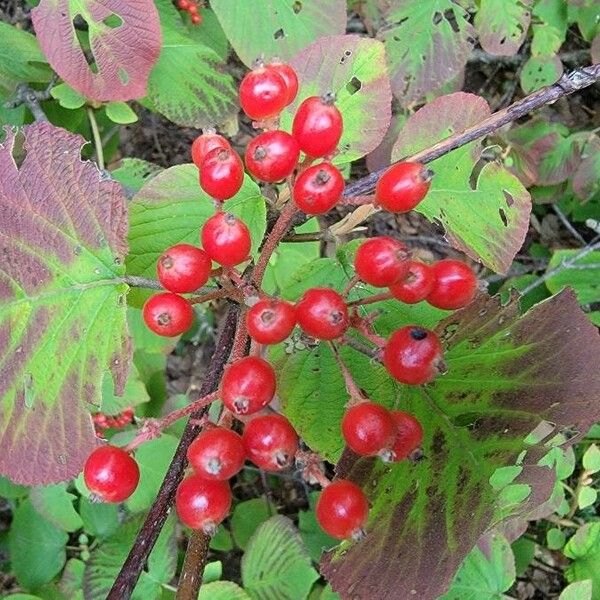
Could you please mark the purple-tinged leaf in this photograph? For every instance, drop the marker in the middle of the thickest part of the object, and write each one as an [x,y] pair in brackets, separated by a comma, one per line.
[122,45]
[62,302]
[502,25]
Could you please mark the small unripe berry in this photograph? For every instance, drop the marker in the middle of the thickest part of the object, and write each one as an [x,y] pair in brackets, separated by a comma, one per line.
[168,314]
[111,474]
[248,385]
[342,510]
[413,355]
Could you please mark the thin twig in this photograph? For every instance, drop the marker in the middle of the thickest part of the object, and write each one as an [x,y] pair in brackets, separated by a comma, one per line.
[31,99]
[154,284]
[568,225]
[565,264]
[96,136]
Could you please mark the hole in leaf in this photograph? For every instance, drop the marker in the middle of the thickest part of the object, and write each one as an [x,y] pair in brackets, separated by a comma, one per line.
[503,217]
[503,41]
[297,6]
[113,21]
[451,18]
[82,36]
[347,54]
[437,17]
[477,168]
[18,150]
[509,199]
[279,34]
[123,77]
[353,86]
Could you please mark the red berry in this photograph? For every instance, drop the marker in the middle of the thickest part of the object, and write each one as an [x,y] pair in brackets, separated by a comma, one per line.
[271,321]
[318,189]
[368,429]
[193,9]
[413,355]
[270,442]
[272,156]
[322,314]
[382,261]
[317,126]
[416,286]
[342,510]
[168,314]
[290,77]
[204,144]
[248,385]
[403,186]
[226,239]
[454,285]
[183,268]
[222,174]
[202,503]
[183,4]
[217,453]
[263,93]
[111,474]
[196,19]
[409,434]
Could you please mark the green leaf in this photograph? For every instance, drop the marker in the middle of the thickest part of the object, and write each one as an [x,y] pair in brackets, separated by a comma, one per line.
[134,393]
[71,580]
[10,490]
[62,302]
[580,590]
[107,559]
[221,541]
[314,538]
[539,71]
[502,25]
[23,597]
[586,180]
[222,590]
[171,209]
[189,84]
[524,551]
[286,573]
[246,518]
[416,34]
[135,172]
[37,547]
[484,208]
[485,574]
[121,113]
[67,97]
[99,519]
[55,504]
[506,375]
[584,550]
[555,538]
[353,68]
[21,60]
[279,29]
[586,497]
[210,32]
[584,281]
[212,571]
[591,459]
[153,458]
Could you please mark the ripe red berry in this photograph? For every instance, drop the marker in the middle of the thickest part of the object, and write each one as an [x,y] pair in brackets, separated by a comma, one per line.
[271,321]
[322,314]
[413,355]
[196,19]
[221,174]
[409,434]
[382,261]
[193,9]
[263,93]
[217,453]
[318,126]
[342,510]
[226,239]
[168,314]
[368,429]
[454,285]
[270,442]
[415,286]
[111,474]
[183,268]
[403,186]
[205,143]
[248,385]
[318,189]
[290,77]
[272,156]
[183,4]
[202,503]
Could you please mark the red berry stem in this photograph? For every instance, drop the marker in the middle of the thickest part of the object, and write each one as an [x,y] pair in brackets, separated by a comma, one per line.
[371,299]
[312,468]
[358,200]
[215,295]
[349,286]
[365,328]
[355,393]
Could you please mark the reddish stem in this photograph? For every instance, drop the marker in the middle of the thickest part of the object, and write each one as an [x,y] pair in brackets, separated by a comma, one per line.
[365,328]
[214,295]
[371,299]
[351,283]
[355,393]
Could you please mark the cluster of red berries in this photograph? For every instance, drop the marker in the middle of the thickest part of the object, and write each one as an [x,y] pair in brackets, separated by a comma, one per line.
[412,355]
[192,8]
[103,421]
